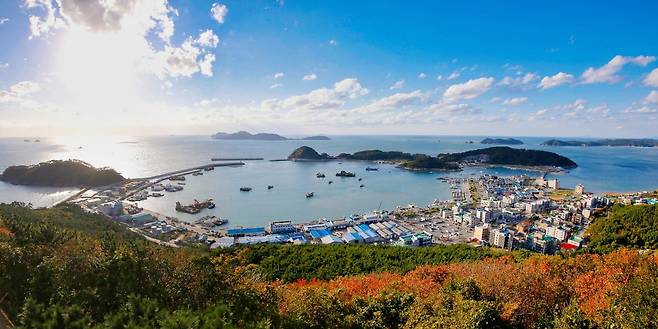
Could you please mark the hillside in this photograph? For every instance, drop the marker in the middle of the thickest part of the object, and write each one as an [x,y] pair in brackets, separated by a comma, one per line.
[61,173]
[426,162]
[501,141]
[376,155]
[503,155]
[64,268]
[626,226]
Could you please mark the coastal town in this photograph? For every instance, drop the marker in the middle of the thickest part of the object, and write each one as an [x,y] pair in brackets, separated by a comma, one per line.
[512,212]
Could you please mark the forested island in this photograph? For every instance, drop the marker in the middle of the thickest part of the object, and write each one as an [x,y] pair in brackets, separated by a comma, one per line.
[66,268]
[501,141]
[500,155]
[642,142]
[61,173]
[244,135]
[504,155]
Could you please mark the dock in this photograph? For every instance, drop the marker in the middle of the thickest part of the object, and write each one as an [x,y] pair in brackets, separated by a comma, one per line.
[237,159]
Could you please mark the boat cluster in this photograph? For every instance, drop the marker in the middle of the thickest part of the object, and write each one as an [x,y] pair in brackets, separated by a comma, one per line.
[195,207]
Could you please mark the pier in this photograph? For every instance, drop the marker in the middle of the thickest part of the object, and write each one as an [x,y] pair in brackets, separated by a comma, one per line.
[237,159]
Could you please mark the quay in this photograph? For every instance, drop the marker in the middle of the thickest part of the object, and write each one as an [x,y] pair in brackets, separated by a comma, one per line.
[237,159]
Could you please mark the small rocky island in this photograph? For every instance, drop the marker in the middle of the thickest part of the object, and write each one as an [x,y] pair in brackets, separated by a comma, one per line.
[244,135]
[61,173]
[642,142]
[306,153]
[501,141]
[499,155]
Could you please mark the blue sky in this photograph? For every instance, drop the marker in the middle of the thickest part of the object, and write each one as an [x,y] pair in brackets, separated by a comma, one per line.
[133,67]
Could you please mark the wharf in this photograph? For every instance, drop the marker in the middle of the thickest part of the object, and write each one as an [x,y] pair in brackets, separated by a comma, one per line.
[237,159]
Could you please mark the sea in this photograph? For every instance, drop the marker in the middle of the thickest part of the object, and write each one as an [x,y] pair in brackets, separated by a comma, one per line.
[600,169]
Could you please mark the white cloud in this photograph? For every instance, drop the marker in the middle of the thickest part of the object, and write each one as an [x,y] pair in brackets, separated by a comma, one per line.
[558,79]
[180,61]
[276,85]
[397,85]
[278,75]
[205,65]
[323,98]
[333,42]
[515,101]
[439,77]
[422,75]
[608,72]
[219,12]
[467,90]
[3,20]
[454,75]
[24,88]
[18,93]
[41,26]
[208,39]
[652,98]
[310,77]
[652,78]
[641,110]
[4,65]
[521,82]
[392,102]
[453,109]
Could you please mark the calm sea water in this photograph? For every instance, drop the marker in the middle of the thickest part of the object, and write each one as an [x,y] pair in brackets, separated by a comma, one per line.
[600,169]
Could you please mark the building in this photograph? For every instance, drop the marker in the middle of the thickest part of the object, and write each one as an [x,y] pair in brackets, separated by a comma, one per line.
[541,243]
[282,227]
[553,184]
[481,232]
[501,238]
[418,239]
[558,232]
[142,218]
[248,231]
[580,189]
[331,239]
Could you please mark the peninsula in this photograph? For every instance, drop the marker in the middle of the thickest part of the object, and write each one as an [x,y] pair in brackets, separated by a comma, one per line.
[501,141]
[61,173]
[500,155]
[244,135]
[642,142]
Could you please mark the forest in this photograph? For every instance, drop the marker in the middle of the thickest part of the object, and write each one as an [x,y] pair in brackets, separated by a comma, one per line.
[64,268]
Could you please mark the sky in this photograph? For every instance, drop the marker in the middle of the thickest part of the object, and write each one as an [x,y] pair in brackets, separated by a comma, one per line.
[161,67]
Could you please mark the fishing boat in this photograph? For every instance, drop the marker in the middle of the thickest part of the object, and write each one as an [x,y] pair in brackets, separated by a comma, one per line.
[361,186]
[309,195]
[198,173]
[372,169]
[209,168]
[157,195]
[211,205]
[269,187]
[360,179]
[245,189]
[330,182]
[344,173]
[319,175]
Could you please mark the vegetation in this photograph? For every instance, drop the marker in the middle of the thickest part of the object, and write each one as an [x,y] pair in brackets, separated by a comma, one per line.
[503,155]
[425,162]
[625,226]
[290,262]
[377,155]
[643,142]
[501,141]
[60,173]
[63,268]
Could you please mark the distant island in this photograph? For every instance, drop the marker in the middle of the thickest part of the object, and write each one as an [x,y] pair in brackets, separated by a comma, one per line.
[642,142]
[61,173]
[244,135]
[501,141]
[500,155]
[504,155]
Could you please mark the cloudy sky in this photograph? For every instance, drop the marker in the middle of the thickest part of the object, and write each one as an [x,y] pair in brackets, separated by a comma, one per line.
[145,67]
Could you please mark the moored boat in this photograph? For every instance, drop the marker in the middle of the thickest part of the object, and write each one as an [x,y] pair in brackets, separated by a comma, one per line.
[245,189]
[310,195]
